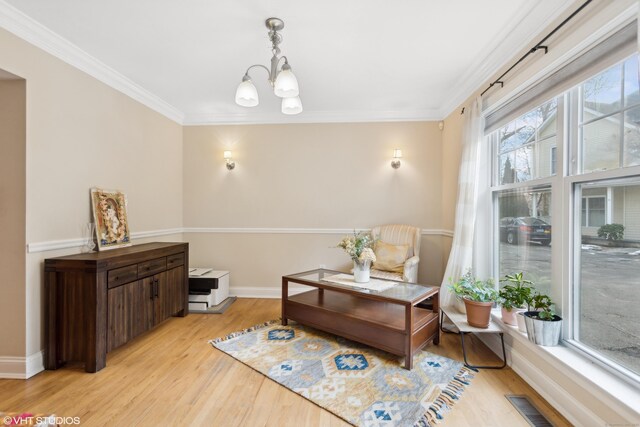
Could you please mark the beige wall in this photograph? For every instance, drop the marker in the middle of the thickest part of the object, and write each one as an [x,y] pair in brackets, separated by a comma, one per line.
[307,176]
[82,133]
[12,217]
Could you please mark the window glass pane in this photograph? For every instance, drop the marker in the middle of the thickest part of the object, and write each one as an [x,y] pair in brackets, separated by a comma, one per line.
[524,145]
[601,94]
[601,144]
[523,164]
[524,220]
[508,138]
[631,81]
[544,153]
[507,172]
[548,122]
[607,293]
[632,137]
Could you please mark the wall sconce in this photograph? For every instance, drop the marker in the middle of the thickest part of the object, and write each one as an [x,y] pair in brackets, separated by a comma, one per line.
[229,160]
[397,155]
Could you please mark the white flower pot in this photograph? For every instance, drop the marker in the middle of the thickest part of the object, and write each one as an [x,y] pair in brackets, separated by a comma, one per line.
[520,319]
[361,273]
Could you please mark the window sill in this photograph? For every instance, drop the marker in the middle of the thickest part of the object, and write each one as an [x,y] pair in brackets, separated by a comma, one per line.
[582,370]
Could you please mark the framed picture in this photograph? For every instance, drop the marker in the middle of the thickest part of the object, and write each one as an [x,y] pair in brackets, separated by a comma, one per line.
[110,217]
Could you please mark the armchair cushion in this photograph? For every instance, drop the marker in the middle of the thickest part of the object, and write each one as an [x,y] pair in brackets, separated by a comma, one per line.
[390,257]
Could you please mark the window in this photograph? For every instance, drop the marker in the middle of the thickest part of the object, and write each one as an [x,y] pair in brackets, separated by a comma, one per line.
[576,157]
[593,211]
[525,159]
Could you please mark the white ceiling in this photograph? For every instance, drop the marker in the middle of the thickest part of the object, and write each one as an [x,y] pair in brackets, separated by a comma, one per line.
[356,60]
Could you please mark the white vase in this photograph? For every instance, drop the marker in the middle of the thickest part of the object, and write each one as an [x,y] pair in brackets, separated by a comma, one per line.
[361,272]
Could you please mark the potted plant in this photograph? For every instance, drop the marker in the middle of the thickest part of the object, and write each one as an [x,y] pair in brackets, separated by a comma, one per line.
[513,296]
[543,325]
[478,296]
[359,248]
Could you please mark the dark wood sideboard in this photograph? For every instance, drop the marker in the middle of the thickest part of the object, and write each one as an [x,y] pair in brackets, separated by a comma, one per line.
[95,302]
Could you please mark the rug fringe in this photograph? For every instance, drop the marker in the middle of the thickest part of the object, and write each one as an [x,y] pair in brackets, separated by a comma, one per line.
[447,398]
[244,331]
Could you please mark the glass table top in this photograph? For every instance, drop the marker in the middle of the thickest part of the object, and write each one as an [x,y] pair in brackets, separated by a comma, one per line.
[402,291]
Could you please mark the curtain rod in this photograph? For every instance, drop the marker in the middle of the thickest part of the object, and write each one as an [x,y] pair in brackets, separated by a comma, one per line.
[540,45]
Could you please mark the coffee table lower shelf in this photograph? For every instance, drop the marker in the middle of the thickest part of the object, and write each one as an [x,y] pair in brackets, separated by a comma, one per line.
[379,324]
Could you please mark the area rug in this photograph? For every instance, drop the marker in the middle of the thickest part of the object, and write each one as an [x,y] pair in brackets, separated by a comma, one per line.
[362,385]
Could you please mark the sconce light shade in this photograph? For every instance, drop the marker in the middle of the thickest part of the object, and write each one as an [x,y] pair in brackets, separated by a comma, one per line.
[229,160]
[397,155]
[291,105]
[286,85]
[247,94]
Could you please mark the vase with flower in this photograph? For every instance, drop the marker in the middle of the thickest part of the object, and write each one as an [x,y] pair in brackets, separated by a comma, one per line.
[360,248]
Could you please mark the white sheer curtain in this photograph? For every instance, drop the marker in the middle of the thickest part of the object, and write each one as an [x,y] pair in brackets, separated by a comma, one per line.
[470,176]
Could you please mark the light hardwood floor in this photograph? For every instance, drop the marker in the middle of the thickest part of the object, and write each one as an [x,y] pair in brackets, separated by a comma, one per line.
[172,376]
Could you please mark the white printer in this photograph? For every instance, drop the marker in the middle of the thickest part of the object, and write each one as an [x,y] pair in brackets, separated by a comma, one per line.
[207,287]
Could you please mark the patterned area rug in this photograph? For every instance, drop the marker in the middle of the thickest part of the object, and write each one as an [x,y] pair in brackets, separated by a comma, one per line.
[362,385]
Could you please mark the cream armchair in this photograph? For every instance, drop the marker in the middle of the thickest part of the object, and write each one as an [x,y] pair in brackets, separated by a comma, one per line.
[396,234]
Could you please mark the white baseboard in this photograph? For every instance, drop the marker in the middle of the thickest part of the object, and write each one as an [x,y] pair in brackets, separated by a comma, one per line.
[262,292]
[35,363]
[21,368]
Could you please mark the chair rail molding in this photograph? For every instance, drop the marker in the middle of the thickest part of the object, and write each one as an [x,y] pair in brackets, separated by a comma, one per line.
[271,230]
[52,245]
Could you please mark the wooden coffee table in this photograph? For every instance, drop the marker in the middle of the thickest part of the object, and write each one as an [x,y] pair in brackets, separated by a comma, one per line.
[388,320]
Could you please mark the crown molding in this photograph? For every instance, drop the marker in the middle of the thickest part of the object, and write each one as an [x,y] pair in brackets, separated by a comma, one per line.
[508,42]
[25,27]
[203,119]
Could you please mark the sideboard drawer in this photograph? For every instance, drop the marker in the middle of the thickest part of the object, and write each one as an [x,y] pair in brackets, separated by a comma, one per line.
[152,267]
[175,260]
[122,275]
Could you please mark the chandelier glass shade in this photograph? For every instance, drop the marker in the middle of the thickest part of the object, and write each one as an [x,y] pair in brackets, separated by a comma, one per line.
[281,78]
[286,85]
[247,94]
[291,105]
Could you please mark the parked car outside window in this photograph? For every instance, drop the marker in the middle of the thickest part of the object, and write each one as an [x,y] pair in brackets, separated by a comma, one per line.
[524,229]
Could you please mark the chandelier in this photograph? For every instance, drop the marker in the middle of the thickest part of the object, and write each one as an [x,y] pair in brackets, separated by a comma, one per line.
[283,81]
